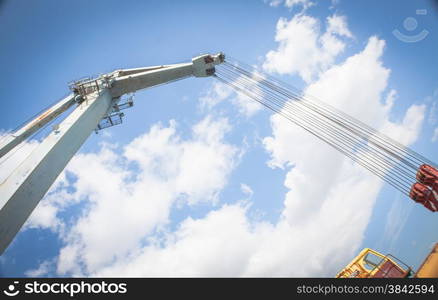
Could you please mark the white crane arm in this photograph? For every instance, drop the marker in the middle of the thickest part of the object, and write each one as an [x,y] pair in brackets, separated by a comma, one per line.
[22,190]
[131,80]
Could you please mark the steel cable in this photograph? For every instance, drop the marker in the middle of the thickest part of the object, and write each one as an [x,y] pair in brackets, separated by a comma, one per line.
[345,138]
[384,157]
[365,162]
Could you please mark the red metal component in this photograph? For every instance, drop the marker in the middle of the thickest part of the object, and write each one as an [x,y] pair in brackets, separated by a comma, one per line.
[428,175]
[390,270]
[422,194]
[208,59]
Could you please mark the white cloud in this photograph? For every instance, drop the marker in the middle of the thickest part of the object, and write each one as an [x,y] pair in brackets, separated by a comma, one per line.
[338,25]
[216,94]
[275,3]
[407,131]
[221,92]
[353,93]
[245,105]
[42,269]
[216,245]
[303,49]
[238,247]
[227,243]
[45,216]
[246,189]
[291,3]
[304,3]
[121,206]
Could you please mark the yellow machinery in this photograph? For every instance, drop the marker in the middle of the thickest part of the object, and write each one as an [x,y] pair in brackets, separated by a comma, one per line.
[429,268]
[372,264]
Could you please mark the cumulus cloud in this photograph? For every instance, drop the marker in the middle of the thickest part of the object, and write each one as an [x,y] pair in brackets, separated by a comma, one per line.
[216,245]
[216,94]
[221,92]
[238,247]
[303,49]
[246,189]
[275,3]
[292,3]
[406,132]
[228,243]
[42,269]
[121,206]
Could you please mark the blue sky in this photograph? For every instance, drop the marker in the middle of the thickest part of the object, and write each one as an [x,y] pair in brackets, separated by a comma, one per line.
[245,209]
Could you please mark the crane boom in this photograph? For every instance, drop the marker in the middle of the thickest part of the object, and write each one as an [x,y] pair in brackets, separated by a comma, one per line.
[96,99]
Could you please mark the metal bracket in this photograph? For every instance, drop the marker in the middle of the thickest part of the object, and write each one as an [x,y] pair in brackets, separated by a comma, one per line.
[88,85]
[115,117]
[110,120]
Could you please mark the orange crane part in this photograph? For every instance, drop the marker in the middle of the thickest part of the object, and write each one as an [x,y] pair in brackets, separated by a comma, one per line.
[428,175]
[424,195]
[372,264]
[429,268]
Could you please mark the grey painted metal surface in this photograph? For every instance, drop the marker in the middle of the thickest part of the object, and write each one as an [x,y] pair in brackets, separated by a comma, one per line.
[137,81]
